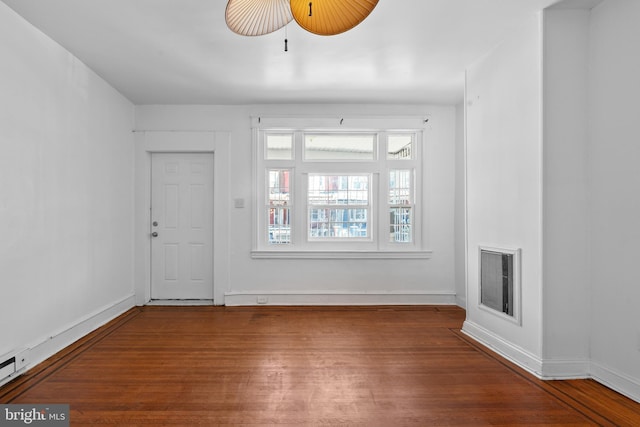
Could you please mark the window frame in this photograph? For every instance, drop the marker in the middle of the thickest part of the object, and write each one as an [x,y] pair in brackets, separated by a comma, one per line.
[377,244]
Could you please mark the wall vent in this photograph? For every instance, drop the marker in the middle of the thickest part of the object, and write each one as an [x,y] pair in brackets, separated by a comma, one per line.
[499,282]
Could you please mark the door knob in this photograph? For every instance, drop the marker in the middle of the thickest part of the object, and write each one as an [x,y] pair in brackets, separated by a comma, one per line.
[154,234]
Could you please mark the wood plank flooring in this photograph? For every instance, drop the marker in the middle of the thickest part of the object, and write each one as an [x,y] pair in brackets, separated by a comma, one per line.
[370,366]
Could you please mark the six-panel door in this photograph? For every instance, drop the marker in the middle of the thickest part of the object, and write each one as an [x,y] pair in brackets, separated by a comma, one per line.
[181,226]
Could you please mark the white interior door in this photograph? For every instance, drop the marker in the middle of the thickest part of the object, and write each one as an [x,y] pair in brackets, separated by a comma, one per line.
[181,226]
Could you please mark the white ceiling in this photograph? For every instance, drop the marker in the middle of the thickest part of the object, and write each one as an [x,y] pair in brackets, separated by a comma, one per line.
[181,51]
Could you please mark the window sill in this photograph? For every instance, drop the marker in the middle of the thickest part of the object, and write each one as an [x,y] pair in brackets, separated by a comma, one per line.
[341,254]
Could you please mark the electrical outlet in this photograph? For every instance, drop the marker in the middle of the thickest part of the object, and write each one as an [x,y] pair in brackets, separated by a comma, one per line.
[262,300]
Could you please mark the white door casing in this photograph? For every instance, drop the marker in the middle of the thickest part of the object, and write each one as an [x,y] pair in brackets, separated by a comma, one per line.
[182,226]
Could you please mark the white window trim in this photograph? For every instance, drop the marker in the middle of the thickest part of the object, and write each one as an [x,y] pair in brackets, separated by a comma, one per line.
[340,254]
[300,247]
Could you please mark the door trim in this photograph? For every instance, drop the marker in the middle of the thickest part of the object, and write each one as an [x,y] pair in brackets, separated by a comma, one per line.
[148,142]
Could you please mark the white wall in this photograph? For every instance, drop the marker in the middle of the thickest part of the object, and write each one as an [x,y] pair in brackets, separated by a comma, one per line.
[568,197]
[504,203]
[66,199]
[614,201]
[326,281]
[566,293]
[459,213]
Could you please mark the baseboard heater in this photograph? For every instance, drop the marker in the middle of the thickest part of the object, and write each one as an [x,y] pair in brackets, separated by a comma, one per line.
[7,368]
[10,365]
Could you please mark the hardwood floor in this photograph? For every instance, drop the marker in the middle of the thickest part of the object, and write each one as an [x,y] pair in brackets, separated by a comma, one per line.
[373,366]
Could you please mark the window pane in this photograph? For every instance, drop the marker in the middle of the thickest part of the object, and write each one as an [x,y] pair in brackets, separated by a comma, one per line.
[400,187]
[278,206]
[338,223]
[400,221]
[338,189]
[279,225]
[278,190]
[339,147]
[399,147]
[279,147]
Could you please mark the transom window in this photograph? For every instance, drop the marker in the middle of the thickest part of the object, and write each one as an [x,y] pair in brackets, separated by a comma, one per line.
[339,147]
[338,190]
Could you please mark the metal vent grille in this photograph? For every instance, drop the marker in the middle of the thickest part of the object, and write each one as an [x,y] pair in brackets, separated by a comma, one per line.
[496,281]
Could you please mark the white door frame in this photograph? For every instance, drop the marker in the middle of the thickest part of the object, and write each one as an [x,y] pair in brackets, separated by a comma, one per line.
[147,142]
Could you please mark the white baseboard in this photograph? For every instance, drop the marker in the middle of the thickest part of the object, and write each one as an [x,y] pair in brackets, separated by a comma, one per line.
[565,369]
[179,302]
[47,347]
[617,381]
[555,369]
[509,351]
[339,298]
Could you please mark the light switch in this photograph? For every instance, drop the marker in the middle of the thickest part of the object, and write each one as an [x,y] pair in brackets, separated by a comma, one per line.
[238,203]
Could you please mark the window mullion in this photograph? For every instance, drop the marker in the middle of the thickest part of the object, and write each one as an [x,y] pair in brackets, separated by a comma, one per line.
[383,194]
[301,209]
[299,223]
